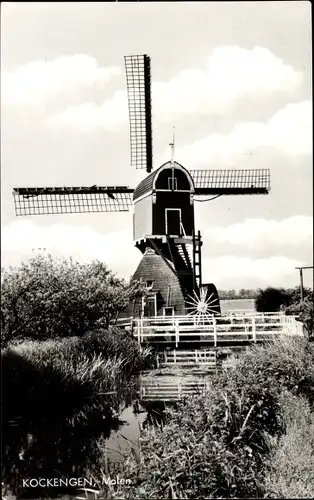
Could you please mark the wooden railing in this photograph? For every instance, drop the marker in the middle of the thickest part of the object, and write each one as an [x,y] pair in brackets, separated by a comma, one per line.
[236,326]
[213,330]
[187,358]
[171,388]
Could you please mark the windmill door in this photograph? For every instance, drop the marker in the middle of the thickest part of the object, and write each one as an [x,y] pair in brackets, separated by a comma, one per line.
[173,221]
[150,305]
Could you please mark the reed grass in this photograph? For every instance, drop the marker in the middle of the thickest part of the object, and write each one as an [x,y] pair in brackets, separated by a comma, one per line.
[235,439]
[69,377]
[291,471]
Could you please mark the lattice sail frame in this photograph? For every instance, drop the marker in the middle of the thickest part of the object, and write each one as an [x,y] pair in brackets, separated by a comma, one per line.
[251,181]
[69,200]
[138,77]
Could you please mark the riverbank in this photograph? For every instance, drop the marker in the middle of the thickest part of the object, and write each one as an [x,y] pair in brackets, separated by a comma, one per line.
[59,396]
[237,439]
[66,416]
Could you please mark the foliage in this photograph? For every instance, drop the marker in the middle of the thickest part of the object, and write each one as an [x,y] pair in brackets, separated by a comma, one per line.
[271,299]
[217,444]
[289,300]
[69,377]
[295,294]
[47,298]
[291,472]
[305,312]
[114,343]
[285,363]
[307,315]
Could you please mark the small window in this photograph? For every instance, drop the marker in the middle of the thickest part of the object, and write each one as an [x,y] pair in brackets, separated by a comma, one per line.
[172,184]
[168,311]
[149,283]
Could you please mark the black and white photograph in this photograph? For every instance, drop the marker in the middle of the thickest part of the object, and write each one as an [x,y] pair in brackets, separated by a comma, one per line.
[157,250]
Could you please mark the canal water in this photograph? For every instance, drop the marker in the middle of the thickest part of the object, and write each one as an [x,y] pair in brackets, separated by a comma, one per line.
[162,389]
[236,305]
[33,451]
[41,451]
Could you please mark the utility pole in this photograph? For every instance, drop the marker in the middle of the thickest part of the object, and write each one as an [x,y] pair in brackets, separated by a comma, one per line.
[301,278]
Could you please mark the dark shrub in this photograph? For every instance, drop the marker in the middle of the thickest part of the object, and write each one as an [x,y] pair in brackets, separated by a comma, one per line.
[217,445]
[271,299]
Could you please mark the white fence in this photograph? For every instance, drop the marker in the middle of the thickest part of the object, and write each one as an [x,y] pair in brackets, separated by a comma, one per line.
[187,358]
[213,330]
[171,388]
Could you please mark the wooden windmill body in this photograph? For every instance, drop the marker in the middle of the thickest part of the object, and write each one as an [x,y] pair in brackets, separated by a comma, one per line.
[163,220]
[164,231]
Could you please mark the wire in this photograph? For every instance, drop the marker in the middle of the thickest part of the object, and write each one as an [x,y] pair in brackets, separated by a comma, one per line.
[210,199]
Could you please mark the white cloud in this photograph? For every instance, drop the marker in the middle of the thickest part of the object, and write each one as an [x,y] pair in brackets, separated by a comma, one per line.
[38,81]
[235,272]
[89,117]
[289,131]
[231,73]
[23,237]
[261,233]
[116,249]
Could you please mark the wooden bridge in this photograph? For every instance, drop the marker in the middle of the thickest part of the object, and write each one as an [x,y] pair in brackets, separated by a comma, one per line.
[171,388]
[233,328]
[186,341]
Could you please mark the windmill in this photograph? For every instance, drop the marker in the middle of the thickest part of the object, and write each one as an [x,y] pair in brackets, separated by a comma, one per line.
[163,202]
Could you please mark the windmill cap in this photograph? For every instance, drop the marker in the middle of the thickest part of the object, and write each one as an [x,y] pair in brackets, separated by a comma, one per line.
[147,184]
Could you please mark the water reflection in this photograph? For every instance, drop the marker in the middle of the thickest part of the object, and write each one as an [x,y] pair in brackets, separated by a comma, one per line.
[54,451]
[171,387]
[63,450]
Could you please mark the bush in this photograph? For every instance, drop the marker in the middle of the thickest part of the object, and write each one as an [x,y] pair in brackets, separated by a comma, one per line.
[307,314]
[291,473]
[45,298]
[69,376]
[284,363]
[117,343]
[218,444]
[271,299]
[289,300]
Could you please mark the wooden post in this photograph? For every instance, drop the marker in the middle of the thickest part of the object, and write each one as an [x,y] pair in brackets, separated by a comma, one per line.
[142,329]
[165,352]
[138,331]
[157,359]
[177,332]
[253,329]
[200,257]
[174,357]
[215,331]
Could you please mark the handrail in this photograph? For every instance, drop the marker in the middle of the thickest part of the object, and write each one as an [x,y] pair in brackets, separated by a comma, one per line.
[214,327]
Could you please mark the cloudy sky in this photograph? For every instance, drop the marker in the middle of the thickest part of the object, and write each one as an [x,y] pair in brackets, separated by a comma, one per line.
[233,78]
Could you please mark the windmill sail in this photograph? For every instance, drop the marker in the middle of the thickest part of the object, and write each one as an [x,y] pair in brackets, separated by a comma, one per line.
[69,200]
[139,99]
[224,182]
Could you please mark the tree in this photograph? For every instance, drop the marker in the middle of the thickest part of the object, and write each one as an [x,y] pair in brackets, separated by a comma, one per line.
[48,298]
[271,299]
[295,294]
[303,309]
[307,314]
